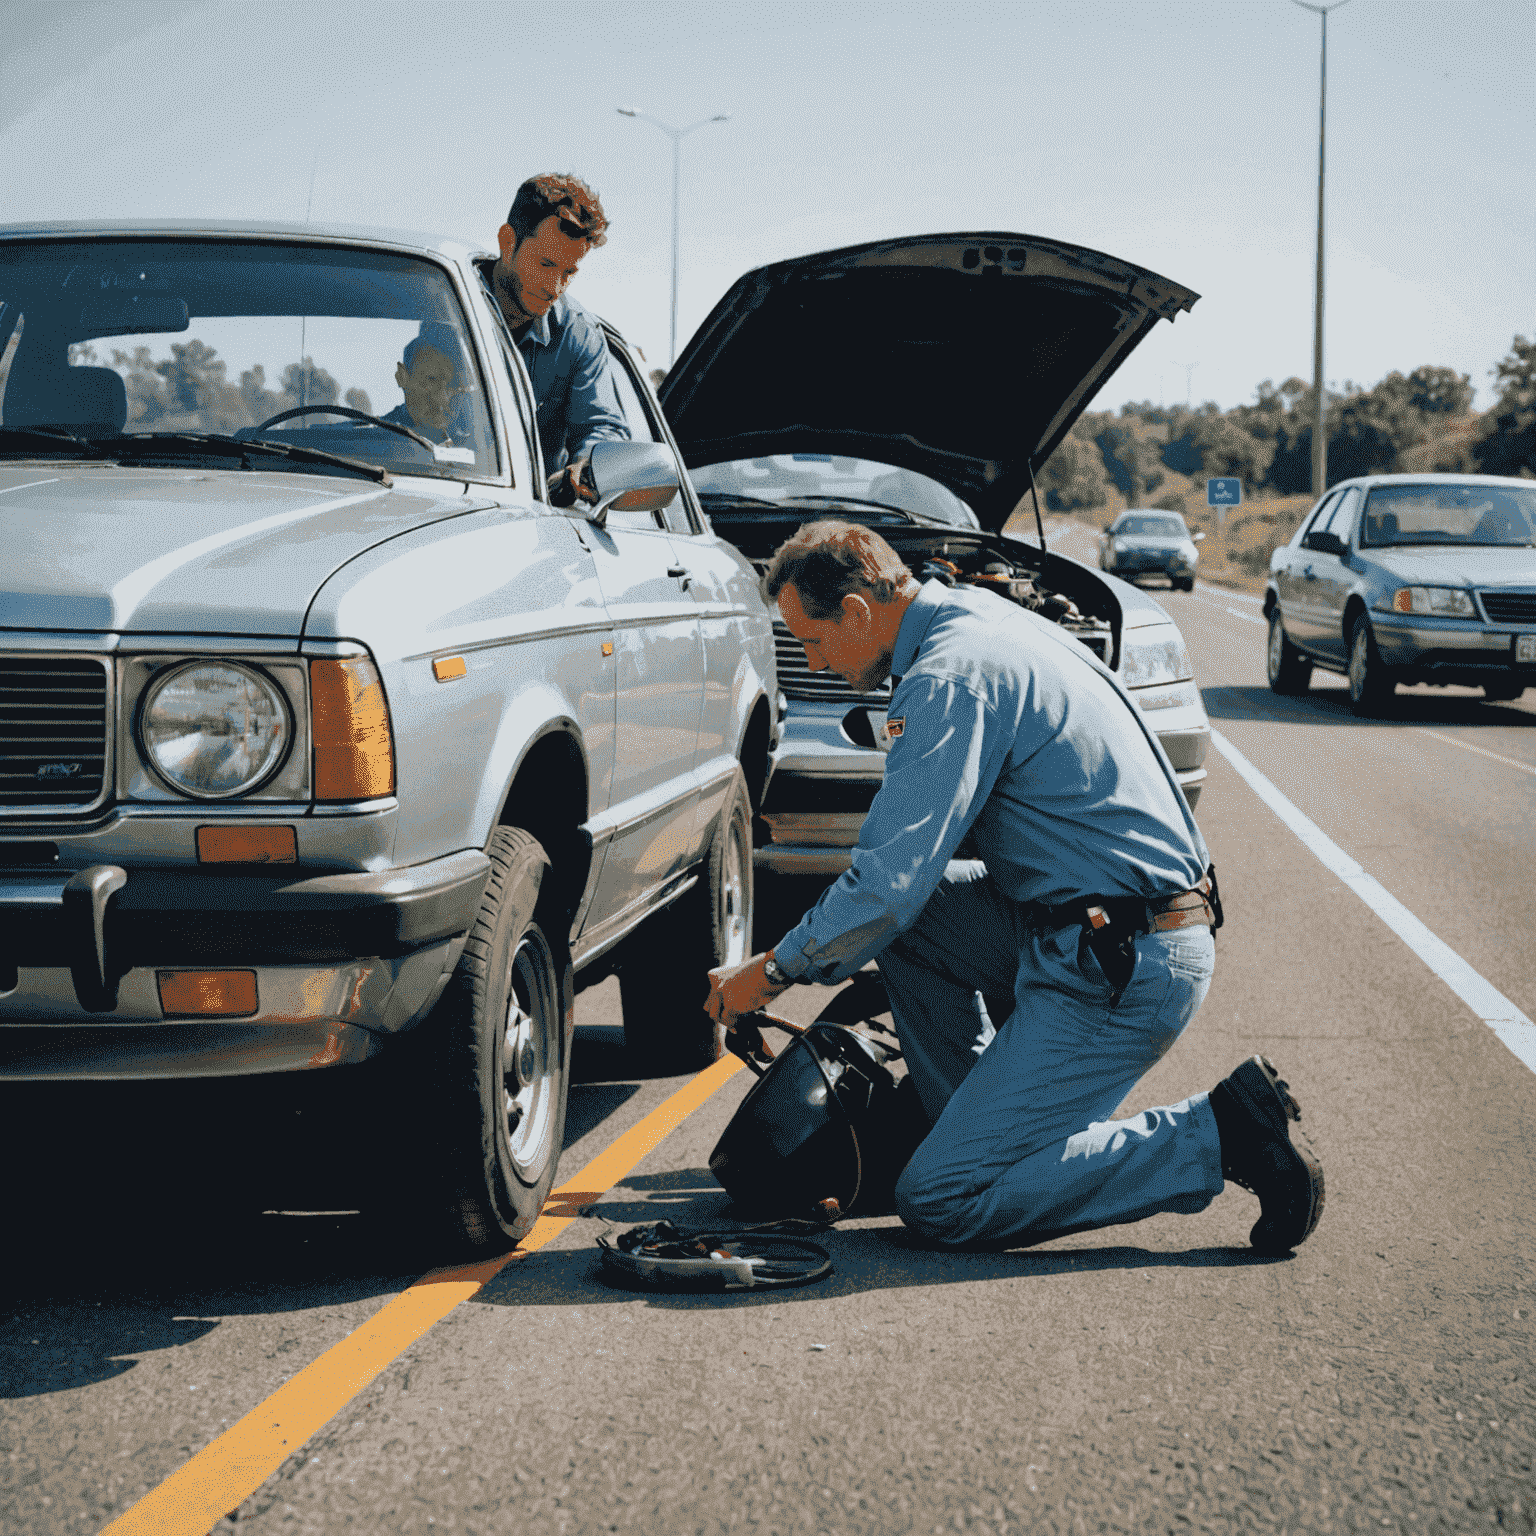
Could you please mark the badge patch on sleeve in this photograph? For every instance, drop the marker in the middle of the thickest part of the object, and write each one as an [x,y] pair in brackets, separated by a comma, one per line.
[894,725]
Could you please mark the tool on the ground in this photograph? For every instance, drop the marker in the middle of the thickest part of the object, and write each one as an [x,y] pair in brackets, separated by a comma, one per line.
[824,1131]
[664,1257]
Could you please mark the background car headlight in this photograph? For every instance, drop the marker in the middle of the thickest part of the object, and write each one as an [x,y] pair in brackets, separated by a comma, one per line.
[214,729]
[1448,602]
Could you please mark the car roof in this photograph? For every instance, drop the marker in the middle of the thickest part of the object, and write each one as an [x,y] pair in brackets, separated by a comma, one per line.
[1434,479]
[257,229]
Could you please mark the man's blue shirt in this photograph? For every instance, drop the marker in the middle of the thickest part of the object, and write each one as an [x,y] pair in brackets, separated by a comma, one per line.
[571,369]
[1005,726]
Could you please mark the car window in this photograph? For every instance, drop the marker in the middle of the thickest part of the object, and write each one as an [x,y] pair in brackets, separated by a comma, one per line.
[1448,512]
[1153,527]
[826,484]
[348,351]
[1342,519]
[673,516]
[1319,519]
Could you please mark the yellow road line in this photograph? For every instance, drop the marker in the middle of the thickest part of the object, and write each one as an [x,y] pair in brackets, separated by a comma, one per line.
[228,1470]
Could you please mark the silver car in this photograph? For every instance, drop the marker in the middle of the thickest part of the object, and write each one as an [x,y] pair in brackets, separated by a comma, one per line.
[1151,542]
[915,385]
[327,740]
[1408,579]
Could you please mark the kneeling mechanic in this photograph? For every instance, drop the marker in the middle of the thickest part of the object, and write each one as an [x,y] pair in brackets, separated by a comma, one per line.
[1031,988]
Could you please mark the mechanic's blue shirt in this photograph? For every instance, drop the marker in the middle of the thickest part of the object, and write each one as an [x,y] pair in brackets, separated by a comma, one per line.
[1006,726]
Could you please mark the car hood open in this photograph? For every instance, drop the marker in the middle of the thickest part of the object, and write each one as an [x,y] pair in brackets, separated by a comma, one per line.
[965,357]
[100,549]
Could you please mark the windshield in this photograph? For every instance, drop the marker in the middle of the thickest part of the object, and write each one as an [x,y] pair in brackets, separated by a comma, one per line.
[1157,527]
[794,478]
[104,337]
[1449,514]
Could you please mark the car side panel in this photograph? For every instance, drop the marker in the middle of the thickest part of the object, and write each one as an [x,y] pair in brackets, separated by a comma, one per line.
[513,593]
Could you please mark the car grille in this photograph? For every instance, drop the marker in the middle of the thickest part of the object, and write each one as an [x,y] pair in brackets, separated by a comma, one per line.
[53,731]
[1509,607]
[799,682]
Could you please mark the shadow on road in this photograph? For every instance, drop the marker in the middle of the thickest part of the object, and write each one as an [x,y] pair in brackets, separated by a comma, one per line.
[1330,706]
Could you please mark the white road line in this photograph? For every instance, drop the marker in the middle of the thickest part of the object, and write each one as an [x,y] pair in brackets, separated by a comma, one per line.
[1467,746]
[1253,618]
[1242,597]
[1482,997]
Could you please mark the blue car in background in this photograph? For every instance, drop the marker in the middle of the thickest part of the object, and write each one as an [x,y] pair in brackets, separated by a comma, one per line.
[1408,579]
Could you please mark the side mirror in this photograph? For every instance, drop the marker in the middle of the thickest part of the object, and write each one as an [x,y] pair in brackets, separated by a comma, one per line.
[1196,537]
[1327,544]
[630,477]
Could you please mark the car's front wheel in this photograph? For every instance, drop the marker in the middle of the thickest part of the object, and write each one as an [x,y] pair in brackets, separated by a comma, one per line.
[494,1062]
[1371,684]
[662,980]
[1289,671]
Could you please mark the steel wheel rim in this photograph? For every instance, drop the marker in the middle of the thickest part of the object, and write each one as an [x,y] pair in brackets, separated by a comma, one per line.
[528,1055]
[1357,665]
[733,896]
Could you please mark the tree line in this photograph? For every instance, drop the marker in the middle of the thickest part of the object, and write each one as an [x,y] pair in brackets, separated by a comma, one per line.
[1401,423]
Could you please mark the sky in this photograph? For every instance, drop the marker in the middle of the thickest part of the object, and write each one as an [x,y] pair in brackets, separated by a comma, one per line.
[1181,135]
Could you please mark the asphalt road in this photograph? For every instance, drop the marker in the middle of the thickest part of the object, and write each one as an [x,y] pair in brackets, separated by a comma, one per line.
[1152,1377]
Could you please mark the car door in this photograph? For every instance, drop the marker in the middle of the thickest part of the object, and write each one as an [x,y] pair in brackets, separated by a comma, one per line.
[1333,579]
[658,696]
[1304,618]
[1287,570]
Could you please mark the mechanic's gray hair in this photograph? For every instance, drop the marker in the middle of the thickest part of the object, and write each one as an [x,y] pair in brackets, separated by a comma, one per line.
[826,561]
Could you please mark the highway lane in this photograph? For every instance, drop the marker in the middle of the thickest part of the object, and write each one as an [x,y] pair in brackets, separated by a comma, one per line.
[1150,1377]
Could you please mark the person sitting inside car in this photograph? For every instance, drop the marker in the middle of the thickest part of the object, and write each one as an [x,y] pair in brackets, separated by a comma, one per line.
[428,376]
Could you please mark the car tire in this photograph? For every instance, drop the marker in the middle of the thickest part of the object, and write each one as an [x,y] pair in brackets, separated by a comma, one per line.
[487,1086]
[1184,584]
[1371,684]
[1289,671]
[1502,693]
[662,984]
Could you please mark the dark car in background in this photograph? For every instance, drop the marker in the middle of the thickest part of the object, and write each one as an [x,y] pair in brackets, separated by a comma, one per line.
[1408,579]
[916,385]
[1151,542]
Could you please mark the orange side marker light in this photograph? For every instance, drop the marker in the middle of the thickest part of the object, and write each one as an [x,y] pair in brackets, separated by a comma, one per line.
[446,668]
[204,994]
[247,845]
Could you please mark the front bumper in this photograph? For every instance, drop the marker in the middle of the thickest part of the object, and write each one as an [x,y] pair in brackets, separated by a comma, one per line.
[338,960]
[1450,650]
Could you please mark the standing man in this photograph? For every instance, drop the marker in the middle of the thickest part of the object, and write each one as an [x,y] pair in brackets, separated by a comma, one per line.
[554,221]
[1033,988]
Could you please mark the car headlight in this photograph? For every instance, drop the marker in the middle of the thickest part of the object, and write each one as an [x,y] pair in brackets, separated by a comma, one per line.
[1446,602]
[214,729]
[1155,656]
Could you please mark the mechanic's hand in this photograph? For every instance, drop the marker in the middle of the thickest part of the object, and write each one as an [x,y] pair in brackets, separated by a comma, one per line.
[573,482]
[738,989]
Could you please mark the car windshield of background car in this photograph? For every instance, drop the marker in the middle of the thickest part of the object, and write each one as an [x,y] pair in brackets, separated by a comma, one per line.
[1450,514]
[219,337]
[799,478]
[1154,527]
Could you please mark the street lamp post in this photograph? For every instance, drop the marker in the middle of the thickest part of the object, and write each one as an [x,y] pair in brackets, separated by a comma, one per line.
[1319,433]
[677,135]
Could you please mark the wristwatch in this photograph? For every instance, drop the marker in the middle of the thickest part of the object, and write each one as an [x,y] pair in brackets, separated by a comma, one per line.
[775,974]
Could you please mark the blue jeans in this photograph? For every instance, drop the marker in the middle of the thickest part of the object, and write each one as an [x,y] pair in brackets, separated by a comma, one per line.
[1022,1148]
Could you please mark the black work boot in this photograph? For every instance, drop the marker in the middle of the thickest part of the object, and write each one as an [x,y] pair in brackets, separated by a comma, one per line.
[1252,1107]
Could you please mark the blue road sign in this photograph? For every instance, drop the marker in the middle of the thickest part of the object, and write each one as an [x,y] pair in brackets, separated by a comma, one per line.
[1224,491]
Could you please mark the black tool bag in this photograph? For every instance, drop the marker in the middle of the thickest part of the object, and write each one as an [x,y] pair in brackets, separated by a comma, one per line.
[825,1131]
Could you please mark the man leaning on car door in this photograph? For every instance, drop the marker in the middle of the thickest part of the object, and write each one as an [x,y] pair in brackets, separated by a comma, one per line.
[553,222]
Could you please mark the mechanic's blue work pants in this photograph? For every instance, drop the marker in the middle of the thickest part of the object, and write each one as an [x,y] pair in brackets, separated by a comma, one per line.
[1022,1148]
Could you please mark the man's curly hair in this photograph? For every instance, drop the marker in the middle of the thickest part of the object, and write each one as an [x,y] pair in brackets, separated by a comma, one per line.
[569,198]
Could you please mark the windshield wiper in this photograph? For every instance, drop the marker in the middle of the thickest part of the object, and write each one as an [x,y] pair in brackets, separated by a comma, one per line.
[855,501]
[731,499]
[46,434]
[222,444]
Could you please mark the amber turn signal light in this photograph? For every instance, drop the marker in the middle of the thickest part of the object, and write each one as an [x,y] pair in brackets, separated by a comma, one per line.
[446,668]
[203,994]
[354,755]
[247,845]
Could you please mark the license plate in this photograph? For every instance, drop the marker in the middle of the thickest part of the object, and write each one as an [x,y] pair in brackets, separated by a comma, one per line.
[1525,650]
